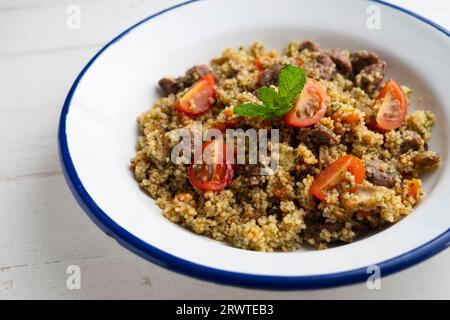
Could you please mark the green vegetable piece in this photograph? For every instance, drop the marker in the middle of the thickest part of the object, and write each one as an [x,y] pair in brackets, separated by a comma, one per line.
[276,104]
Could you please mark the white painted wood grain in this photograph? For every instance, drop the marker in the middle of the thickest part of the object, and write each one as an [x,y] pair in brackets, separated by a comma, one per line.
[42,229]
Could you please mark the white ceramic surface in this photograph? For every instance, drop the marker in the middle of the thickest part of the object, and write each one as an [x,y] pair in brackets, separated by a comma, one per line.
[121,83]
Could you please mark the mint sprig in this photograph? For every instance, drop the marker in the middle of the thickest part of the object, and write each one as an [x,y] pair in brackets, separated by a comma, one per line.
[275,104]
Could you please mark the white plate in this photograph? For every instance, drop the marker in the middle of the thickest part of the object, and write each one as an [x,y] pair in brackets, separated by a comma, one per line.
[98,132]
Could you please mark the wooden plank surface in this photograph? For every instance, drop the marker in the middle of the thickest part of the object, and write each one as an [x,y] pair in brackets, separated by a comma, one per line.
[42,229]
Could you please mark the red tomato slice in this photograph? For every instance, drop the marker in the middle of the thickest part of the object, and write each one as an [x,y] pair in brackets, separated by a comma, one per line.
[309,107]
[215,174]
[392,107]
[332,175]
[198,99]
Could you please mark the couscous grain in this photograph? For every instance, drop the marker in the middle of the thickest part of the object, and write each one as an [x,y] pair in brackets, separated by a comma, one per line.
[287,210]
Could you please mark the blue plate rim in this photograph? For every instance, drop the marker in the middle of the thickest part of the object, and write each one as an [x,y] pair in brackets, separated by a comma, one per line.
[176,264]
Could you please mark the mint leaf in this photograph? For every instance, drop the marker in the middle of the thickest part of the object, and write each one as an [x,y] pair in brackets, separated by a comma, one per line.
[253,110]
[276,104]
[283,107]
[291,82]
[268,96]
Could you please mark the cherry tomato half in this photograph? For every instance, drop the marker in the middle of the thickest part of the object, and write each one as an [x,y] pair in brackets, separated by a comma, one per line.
[309,107]
[198,99]
[392,105]
[215,174]
[332,175]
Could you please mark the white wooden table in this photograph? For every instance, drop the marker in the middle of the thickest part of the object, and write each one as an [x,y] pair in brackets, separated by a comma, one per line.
[43,230]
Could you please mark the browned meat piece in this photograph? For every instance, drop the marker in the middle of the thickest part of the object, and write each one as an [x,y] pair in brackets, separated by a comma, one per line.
[426,159]
[342,60]
[323,67]
[321,135]
[334,227]
[194,74]
[412,142]
[361,59]
[313,216]
[378,177]
[231,73]
[309,45]
[313,232]
[370,77]
[367,69]
[169,85]
[270,75]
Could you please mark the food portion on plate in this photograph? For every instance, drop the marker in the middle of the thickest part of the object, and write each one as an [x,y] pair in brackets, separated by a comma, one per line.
[349,154]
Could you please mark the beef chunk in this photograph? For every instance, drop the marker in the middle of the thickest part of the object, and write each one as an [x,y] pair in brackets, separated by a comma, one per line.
[412,142]
[323,67]
[426,159]
[321,135]
[169,85]
[173,86]
[367,70]
[370,77]
[342,60]
[270,75]
[309,45]
[361,59]
[194,74]
[378,177]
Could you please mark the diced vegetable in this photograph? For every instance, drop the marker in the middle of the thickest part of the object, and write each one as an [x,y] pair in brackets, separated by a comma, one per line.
[212,176]
[332,175]
[392,107]
[198,99]
[310,106]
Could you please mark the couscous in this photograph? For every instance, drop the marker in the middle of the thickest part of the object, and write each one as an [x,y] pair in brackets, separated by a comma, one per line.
[349,153]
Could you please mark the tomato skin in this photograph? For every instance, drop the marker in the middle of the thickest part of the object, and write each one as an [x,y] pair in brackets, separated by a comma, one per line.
[197,100]
[224,171]
[311,88]
[332,175]
[396,103]
[217,175]
[374,125]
